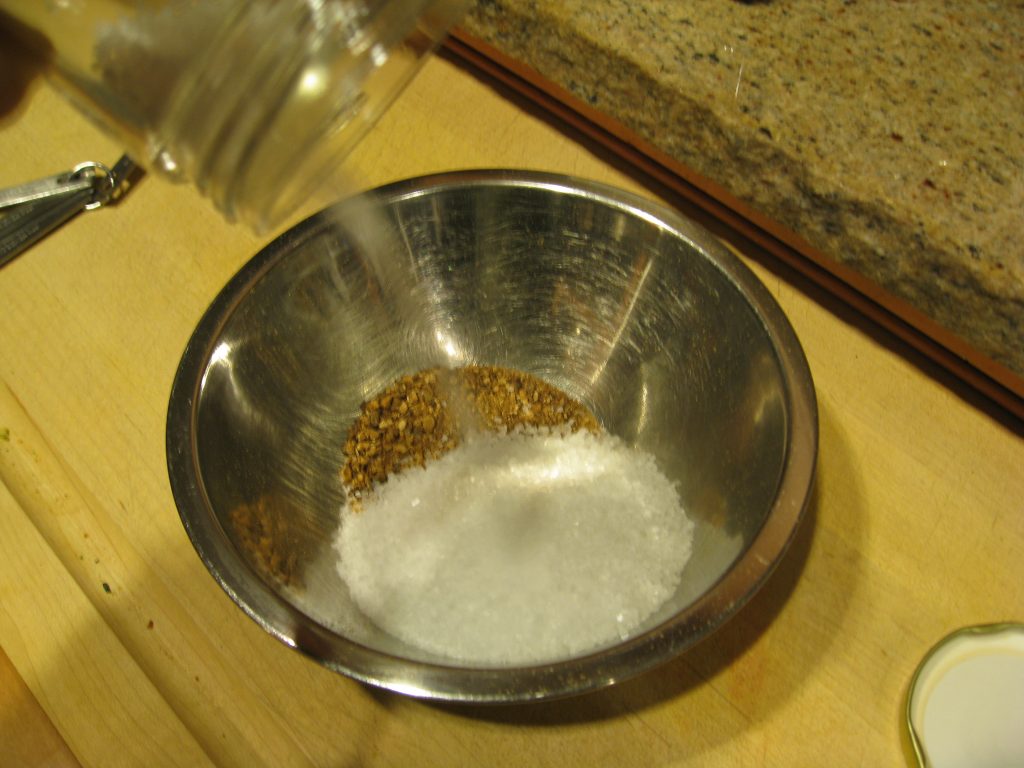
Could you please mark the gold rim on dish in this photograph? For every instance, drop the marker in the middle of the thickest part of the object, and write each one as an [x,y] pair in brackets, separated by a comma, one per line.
[921,673]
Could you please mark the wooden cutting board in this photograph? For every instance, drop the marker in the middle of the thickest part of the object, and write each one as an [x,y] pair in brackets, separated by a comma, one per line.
[135,656]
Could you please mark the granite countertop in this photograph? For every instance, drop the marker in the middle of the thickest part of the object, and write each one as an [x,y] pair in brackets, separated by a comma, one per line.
[887,135]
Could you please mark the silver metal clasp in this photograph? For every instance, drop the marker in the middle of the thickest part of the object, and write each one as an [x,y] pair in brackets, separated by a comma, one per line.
[30,211]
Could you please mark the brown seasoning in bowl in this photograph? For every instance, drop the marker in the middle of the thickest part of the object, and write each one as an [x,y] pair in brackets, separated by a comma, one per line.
[424,415]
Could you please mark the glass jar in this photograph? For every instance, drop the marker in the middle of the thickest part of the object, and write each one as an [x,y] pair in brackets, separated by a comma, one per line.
[252,101]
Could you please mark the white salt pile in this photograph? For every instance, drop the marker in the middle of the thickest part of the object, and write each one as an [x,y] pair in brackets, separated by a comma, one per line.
[517,548]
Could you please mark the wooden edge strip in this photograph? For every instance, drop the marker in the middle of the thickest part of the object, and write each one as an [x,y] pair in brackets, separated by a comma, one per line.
[209,712]
[743,226]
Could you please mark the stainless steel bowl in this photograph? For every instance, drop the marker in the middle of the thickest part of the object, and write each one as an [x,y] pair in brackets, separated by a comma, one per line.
[626,305]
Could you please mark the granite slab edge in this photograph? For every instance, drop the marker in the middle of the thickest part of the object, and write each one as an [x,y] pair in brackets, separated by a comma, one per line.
[976,294]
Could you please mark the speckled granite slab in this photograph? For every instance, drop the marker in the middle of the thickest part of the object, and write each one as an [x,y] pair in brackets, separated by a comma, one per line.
[889,135]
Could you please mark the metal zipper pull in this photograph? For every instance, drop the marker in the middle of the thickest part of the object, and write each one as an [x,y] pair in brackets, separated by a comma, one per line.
[29,212]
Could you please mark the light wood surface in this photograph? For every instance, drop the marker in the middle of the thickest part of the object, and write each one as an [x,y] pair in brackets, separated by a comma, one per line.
[137,657]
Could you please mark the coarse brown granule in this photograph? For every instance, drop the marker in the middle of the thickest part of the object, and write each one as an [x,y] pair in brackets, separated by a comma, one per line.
[422,416]
[403,426]
[507,398]
[264,537]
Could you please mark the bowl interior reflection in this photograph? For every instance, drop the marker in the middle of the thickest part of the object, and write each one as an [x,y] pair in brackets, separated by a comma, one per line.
[635,312]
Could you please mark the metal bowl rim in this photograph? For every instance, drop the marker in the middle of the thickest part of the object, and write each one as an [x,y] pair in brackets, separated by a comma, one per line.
[500,684]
